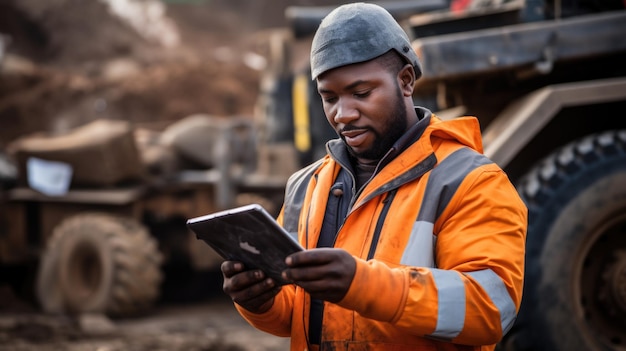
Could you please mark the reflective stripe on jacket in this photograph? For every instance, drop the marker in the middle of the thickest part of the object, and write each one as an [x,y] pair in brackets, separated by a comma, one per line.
[448,258]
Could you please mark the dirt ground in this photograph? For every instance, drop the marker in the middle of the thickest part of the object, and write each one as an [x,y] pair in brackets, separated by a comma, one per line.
[66,68]
[72,61]
[210,325]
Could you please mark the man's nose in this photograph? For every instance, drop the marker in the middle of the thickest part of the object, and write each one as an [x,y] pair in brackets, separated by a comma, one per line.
[346,112]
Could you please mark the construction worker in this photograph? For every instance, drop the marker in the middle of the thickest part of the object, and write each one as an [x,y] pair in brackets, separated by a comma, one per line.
[414,239]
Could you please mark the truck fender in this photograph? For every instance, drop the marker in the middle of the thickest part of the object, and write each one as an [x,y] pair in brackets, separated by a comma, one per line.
[516,125]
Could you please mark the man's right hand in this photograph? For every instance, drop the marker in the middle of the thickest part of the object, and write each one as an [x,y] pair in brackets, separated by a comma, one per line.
[251,289]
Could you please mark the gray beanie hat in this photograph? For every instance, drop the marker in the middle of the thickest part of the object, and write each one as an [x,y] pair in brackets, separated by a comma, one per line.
[358,32]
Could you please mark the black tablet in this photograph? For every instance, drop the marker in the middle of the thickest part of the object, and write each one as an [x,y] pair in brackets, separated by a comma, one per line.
[248,234]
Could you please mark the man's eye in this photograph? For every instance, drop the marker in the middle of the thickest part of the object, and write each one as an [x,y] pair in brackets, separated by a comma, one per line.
[330,100]
[363,94]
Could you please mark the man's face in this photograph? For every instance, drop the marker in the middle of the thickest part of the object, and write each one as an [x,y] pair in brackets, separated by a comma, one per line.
[365,105]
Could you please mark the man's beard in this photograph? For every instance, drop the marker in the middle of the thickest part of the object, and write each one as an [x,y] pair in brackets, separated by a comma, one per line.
[384,140]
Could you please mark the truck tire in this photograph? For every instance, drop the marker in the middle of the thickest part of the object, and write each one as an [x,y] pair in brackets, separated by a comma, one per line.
[575,285]
[98,263]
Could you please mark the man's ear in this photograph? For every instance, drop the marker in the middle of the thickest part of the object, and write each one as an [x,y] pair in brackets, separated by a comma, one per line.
[406,78]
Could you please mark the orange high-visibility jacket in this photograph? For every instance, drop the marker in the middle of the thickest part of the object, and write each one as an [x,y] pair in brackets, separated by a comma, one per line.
[447,271]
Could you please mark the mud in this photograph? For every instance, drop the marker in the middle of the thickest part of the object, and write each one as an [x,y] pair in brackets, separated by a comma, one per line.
[209,325]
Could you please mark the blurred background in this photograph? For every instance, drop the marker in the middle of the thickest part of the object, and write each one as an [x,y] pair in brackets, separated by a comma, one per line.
[70,61]
[121,119]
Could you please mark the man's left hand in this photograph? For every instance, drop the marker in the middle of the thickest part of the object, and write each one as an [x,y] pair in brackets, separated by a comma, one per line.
[325,273]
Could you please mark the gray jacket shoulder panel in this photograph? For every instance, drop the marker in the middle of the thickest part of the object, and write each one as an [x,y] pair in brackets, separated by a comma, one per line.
[294,195]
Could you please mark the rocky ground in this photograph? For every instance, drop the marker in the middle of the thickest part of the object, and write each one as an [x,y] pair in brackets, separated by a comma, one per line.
[72,61]
[211,325]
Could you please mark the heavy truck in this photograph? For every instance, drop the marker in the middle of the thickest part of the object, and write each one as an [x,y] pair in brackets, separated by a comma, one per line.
[93,219]
[547,81]
[113,239]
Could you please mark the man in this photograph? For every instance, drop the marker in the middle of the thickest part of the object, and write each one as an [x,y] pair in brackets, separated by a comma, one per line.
[415,240]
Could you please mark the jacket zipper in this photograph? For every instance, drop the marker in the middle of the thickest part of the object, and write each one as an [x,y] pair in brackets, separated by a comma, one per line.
[381,220]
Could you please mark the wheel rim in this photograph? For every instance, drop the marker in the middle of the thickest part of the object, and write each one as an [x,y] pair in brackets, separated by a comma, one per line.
[85,271]
[602,283]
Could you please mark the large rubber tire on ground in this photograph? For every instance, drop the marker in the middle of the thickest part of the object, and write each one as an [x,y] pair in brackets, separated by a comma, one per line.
[99,263]
[575,284]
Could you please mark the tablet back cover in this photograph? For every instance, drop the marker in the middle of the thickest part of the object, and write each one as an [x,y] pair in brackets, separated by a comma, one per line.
[247,234]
